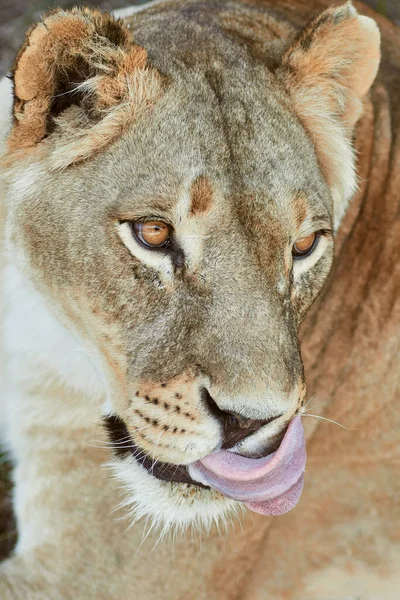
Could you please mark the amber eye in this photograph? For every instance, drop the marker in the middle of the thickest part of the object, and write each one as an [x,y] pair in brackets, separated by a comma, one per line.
[155,234]
[304,246]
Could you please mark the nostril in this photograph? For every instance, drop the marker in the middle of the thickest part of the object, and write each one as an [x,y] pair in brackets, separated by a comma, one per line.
[236,427]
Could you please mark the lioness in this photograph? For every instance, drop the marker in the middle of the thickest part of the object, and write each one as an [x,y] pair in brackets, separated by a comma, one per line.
[173,183]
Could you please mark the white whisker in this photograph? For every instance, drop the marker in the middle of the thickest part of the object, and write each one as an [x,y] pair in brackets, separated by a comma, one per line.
[326,419]
[308,402]
[304,409]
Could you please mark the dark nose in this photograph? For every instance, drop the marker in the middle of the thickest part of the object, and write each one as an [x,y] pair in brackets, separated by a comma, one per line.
[236,427]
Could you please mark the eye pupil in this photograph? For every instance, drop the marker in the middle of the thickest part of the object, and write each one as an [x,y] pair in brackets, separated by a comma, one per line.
[304,246]
[152,233]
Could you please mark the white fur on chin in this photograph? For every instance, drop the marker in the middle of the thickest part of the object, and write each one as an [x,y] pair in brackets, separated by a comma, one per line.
[170,506]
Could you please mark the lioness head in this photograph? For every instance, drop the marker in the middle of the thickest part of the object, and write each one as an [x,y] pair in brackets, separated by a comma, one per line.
[174,183]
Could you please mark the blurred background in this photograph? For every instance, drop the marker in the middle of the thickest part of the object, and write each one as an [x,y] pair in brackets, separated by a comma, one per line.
[15,18]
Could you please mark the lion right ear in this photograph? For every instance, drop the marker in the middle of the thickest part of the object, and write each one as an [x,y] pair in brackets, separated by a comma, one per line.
[80,76]
[327,71]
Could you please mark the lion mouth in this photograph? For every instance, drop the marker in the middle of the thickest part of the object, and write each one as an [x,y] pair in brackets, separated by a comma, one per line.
[270,485]
[117,431]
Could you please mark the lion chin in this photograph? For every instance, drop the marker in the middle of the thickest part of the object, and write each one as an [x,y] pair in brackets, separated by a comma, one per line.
[170,506]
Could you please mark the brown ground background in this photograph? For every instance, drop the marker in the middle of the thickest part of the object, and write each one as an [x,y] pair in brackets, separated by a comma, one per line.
[15,17]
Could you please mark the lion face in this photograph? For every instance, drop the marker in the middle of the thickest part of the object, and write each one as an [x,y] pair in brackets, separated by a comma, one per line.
[185,254]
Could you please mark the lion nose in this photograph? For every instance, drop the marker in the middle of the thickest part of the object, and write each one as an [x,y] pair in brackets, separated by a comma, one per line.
[236,427]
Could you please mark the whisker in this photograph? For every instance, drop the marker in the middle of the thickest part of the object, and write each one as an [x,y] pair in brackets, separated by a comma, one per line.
[142,428]
[104,445]
[108,447]
[107,444]
[303,409]
[123,440]
[326,419]
[308,402]
[154,461]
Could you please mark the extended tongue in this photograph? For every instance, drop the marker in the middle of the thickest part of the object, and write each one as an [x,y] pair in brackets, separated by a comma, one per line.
[270,485]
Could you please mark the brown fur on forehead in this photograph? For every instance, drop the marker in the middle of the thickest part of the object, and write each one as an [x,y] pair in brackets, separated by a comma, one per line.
[88,59]
[201,195]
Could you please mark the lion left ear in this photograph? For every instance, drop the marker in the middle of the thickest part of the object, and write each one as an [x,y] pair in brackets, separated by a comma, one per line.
[328,70]
[79,81]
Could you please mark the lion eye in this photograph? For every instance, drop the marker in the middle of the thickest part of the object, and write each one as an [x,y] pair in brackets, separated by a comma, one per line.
[304,246]
[154,234]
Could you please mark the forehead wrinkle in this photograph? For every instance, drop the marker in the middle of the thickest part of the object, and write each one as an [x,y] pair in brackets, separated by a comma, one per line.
[152,198]
[263,232]
[183,201]
[299,207]
[189,231]
[306,215]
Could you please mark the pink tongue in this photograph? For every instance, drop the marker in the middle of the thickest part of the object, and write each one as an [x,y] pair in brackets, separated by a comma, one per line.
[271,485]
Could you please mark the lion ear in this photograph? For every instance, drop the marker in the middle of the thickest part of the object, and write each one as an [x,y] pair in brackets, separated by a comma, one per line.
[328,70]
[80,76]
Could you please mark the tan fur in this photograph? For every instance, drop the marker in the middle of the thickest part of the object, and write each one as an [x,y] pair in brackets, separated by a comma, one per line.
[341,541]
[143,89]
[118,85]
